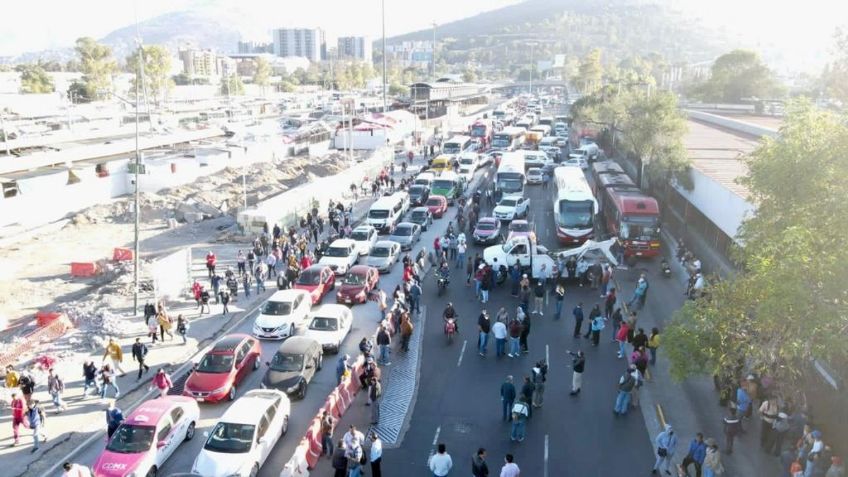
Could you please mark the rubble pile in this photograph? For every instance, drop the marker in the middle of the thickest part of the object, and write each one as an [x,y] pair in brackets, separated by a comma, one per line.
[95,318]
[215,195]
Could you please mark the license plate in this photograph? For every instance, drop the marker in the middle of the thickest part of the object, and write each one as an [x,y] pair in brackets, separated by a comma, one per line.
[638,254]
[199,399]
[348,300]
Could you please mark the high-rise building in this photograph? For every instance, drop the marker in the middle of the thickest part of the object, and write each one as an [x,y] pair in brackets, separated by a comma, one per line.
[199,62]
[355,47]
[307,43]
[248,47]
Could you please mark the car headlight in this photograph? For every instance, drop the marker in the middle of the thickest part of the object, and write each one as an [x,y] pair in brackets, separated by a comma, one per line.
[292,389]
[220,390]
[282,327]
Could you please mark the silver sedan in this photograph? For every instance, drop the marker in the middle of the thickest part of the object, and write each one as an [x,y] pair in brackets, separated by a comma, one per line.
[406,234]
[384,255]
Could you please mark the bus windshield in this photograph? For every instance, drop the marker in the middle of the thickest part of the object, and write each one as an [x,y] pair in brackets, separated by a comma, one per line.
[452,148]
[478,130]
[643,228]
[510,185]
[575,215]
[502,140]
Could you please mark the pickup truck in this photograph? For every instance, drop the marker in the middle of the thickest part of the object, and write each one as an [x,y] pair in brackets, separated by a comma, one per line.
[522,248]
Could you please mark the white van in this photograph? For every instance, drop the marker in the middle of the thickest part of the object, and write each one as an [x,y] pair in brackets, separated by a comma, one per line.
[387,211]
[586,151]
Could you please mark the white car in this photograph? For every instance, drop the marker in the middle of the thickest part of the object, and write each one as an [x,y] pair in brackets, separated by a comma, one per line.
[280,316]
[469,162]
[536,158]
[243,438]
[511,208]
[340,256]
[365,236]
[534,176]
[576,162]
[329,325]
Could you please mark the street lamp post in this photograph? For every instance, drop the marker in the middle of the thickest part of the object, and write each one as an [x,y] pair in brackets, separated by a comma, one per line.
[532,46]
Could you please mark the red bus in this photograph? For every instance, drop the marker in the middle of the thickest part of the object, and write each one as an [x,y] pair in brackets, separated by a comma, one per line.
[482,129]
[634,218]
[601,168]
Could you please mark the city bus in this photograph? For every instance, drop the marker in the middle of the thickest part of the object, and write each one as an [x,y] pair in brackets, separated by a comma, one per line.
[574,206]
[509,138]
[457,144]
[598,169]
[482,129]
[510,177]
[612,181]
[634,218]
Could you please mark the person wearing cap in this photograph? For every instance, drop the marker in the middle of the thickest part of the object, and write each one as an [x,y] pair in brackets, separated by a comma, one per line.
[712,465]
[695,455]
[666,442]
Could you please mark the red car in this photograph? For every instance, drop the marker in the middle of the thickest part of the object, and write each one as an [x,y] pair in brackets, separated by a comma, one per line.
[359,281]
[318,280]
[229,361]
[438,205]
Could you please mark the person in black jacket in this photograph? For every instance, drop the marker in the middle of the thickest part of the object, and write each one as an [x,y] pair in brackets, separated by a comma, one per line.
[479,468]
[596,312]
[578,362]
[139,352]
[340,460]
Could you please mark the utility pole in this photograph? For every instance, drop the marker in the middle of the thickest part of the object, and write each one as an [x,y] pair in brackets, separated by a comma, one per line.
[137,208]
[383,9]
[434,52]
[532,61]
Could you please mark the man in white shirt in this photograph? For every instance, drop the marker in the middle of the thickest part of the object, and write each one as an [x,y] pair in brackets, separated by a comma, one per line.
[510,469]
[499,332]
[353,438]
[75,470]
[441,463]
[376,455]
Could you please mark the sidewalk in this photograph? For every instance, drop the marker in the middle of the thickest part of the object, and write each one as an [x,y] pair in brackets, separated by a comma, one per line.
[83,418]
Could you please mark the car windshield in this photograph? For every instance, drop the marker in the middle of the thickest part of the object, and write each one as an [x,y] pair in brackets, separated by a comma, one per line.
[215,363]
[130,439]
[402,231]
[324,324]
[277,308]
[507,203]
[575,215]
[287,362]
[419,216]
[378,214]
[337,252]
[535,173]
[466,161]
[355,279]
[359,235]
[640,228]
[422,181]
[434,201]
[442,184]
[486,226]
[380,252]
[519,227]
[309,277]
[230,438]
[417,190]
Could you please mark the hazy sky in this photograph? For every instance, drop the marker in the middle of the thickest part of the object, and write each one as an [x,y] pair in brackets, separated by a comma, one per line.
[801,31]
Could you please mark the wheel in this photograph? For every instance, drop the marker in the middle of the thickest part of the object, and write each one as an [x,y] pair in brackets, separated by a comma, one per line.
[189,432]
[254,471]
[320,363]
[152,472]
[301,392]
[256,363]
[231,396]
[285,425]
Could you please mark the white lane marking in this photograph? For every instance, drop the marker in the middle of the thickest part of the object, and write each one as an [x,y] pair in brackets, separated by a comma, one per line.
[462,353]
[433,447]
[548,356]
[546,456]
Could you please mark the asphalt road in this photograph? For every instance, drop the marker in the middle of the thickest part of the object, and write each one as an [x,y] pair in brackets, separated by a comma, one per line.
[365,323]
[458,401]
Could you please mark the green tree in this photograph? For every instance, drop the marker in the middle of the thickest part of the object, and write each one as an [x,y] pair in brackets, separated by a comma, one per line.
[589,73]
[835,75]
[232,86]
[77,92]
[469,75]
[789,305]
[97,66]
[262,76]
[35,80]
[739,75]
[157,68]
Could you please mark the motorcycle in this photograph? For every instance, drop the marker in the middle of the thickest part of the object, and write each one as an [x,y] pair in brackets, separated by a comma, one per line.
[666,269]
[442,282]
[450,329]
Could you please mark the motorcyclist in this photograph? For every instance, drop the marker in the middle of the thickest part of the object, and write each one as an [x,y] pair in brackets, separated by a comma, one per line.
[444,271]
[450,314]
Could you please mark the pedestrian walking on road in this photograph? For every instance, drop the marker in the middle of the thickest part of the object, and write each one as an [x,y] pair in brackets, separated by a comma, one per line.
[107,378]
[36,420]
[524,297]
[732,428]
[595,312]
[666,442]
[216,281]
[18,406]
[115,356]
[55,387]
[182,327]
[621,337]
[520,414]
[479,468]
[139,353]
[507,398]
[224,297]
[165,322]
[26,382]
[524,319]
[695,455]
[499,332]
[328,425]
[577,312]
[527,390]
[204,302]
[639,294]
[559,296]
[240,262]
[539,377]
[578,364]
[626,384]
[597,325]
[539,297]
[712,460]
[211,261]
[510,468]
[340,460]
[441,463]
[89,374]
[247,283]
[375,455]
[162,382]
[515,328]
[484,325]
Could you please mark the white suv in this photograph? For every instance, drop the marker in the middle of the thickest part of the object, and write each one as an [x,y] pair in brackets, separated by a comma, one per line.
[511,208]
[365,236]
[280,316]
[340,256]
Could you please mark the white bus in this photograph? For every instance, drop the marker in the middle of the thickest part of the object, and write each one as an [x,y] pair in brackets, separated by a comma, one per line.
[457,144]
[509,138]
[574,206]
[510,177]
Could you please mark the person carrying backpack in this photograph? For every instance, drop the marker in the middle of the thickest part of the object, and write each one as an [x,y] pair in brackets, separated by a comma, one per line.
[626,383]
[539,376]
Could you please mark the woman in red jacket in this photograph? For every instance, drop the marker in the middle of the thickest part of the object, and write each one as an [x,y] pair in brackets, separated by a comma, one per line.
[621,337]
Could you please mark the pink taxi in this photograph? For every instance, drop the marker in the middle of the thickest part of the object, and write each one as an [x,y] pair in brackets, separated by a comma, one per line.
[148,437]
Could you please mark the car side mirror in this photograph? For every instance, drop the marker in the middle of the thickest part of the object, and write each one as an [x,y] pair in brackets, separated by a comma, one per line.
[160,444]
